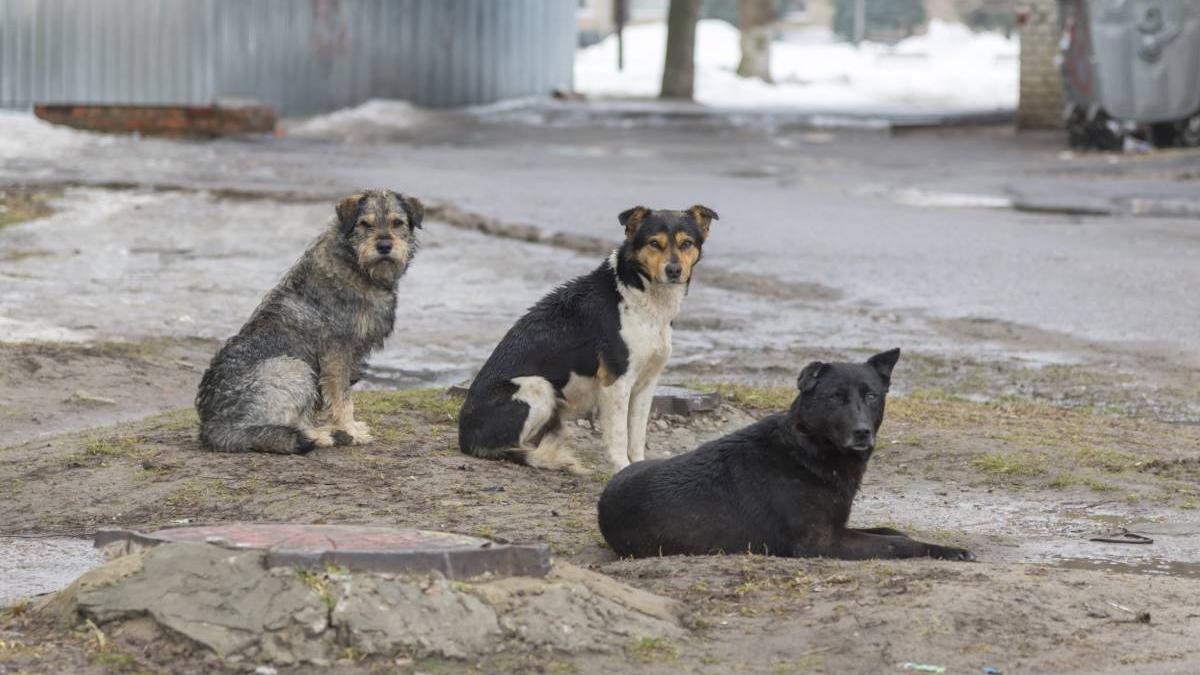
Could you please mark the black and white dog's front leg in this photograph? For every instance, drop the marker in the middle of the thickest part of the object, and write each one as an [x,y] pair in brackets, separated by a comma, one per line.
[640,403]
[614,400]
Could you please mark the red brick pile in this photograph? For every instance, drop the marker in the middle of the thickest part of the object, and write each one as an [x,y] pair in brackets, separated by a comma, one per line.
[169,120]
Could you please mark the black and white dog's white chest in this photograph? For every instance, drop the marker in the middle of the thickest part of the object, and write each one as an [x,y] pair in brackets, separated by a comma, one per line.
[645,333]
[646,327]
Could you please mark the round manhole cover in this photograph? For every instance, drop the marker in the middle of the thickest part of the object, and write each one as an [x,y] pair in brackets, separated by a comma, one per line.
[356,547]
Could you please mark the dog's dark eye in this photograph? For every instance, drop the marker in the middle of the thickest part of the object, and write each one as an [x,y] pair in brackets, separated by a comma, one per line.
[685,245]
[870,397]
[364,224]
[655,245]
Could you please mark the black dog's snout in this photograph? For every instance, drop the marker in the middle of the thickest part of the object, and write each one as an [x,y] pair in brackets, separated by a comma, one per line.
[674,271]
[862,435]
[384,246]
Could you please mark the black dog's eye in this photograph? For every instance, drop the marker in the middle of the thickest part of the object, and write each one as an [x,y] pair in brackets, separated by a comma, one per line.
[870,397]
[655,245]
[685,245]
[364,224]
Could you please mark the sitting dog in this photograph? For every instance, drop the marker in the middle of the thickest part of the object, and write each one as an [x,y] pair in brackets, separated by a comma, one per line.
[594,345]
[782,486]
[293,362]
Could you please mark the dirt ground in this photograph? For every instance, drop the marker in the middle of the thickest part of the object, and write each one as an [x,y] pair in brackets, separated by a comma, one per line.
[1018,443]
[1001,477]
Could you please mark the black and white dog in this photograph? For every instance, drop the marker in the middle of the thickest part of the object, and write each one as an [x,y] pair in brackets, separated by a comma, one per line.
[781,486]
[596,344]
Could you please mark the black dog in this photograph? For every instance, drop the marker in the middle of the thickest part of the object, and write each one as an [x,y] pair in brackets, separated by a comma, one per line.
[782,486]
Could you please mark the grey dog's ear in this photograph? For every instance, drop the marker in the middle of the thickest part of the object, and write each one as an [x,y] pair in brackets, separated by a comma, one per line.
[884,362]
[703,217]
[631,219]
[347,209]
[808,377]
[413,208]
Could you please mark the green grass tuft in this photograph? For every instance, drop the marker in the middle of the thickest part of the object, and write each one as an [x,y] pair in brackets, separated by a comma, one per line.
[1020,464]
[652,650]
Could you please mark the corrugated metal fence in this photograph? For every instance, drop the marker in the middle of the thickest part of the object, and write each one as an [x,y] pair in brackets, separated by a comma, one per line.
[299,56]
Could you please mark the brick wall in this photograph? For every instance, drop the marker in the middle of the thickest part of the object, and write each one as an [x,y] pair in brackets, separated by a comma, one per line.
[1041,102]
[180,121]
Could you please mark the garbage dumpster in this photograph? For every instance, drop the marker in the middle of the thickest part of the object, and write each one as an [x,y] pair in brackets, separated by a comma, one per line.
[1131,66]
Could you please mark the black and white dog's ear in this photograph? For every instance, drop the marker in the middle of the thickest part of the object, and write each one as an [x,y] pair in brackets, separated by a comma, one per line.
[347,209]
[884,362]
[809,376]
[631,218]
[703,217]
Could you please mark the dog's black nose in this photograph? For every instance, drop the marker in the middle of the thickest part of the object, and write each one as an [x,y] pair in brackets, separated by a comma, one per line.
[384,246]
[862,435]
[674,271]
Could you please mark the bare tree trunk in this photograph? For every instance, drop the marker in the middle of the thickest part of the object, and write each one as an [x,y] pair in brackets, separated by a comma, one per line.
[679,72]
[754,21]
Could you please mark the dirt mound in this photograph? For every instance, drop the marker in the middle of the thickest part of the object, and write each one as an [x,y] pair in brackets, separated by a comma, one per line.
[231,604]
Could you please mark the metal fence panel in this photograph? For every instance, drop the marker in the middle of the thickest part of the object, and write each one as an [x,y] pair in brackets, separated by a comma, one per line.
[301,57]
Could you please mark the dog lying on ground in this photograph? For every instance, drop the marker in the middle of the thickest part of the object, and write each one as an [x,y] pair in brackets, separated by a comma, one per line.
[293,362]
[782,486]
[595,344]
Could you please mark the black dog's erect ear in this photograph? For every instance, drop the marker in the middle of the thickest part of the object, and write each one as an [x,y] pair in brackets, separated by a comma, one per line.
[884,362]
[347,209]
[631,218]
[808,377]
[413,207]
[704,217]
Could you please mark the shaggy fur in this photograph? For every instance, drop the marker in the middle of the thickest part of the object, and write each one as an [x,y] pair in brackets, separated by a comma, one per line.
[291,366]
[593,346]
[782,486]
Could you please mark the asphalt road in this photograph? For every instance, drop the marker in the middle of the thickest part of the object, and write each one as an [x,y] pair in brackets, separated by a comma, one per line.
[911,222]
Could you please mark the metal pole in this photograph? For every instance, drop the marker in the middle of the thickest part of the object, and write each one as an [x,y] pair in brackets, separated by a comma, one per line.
[620,12]
[860,20]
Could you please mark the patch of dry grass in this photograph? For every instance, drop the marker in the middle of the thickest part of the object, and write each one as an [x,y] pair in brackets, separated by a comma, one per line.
[18,205]
[749,396]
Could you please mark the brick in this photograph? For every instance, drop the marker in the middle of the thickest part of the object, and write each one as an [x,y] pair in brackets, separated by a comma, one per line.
[179,121]
[1041,103]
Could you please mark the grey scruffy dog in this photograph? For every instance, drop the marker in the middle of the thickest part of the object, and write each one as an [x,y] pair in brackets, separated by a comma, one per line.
[291,366]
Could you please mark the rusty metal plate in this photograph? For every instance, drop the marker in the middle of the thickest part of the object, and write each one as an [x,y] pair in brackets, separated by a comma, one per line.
[365,548]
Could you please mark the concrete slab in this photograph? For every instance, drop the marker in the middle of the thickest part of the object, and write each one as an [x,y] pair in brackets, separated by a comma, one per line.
[671,400]
[355,547]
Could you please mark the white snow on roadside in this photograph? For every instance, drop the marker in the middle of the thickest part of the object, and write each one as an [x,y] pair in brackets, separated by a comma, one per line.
[949,68]
[14,330]
[361,122]
[23,136]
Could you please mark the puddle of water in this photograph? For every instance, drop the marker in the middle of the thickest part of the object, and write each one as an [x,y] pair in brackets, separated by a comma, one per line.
[32,567]
[1152,566]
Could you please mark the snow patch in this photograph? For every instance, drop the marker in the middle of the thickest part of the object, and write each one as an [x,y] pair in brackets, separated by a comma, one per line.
[23,136]
[14,330]
[947,68]
[370,120]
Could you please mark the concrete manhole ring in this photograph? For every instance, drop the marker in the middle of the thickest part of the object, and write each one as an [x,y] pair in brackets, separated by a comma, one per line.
[367,548]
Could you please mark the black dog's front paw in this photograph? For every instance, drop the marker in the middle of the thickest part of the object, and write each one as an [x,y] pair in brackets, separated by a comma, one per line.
[950,553]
